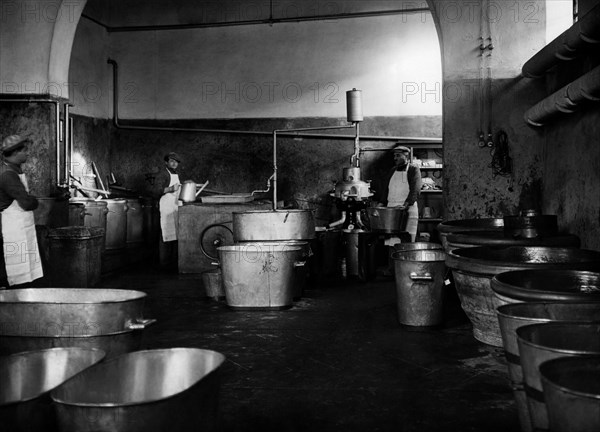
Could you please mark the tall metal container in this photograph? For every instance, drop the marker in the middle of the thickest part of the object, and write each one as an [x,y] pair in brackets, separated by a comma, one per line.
[90,213]
[116,223]
[419,277]
[359,251]
[135,222]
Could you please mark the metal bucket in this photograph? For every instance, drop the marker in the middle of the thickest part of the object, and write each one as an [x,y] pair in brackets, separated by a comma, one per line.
[116,224]
[572,393]
[271,225]
[27,379]
[135,222]
[545,285]
[387,219]
[468,226]
[541,342]
[419,277]
[516,315]
[145,391]
[474,268]
[259,275]
[75,256]
[213,284]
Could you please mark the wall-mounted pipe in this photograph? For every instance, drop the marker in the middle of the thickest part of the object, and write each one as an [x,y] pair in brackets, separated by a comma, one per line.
[287,134]
[66,140]
[56,124]
[567,46]
[269,21]
[568,99]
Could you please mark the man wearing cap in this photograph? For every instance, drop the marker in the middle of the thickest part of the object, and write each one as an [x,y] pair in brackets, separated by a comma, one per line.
[21,258]
[168,205]
[401,187]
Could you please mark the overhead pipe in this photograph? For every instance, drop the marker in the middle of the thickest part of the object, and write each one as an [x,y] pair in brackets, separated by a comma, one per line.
[66,139]
[56,125]
[568,99]
[269,21]
[287,134]
[567,46]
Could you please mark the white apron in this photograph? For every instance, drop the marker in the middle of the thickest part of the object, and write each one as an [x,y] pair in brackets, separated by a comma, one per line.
[21,254]
[399,189]
[168,207]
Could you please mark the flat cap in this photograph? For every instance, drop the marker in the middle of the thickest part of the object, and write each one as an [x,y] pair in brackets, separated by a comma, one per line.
[13,142]
[400,148]
[172,155]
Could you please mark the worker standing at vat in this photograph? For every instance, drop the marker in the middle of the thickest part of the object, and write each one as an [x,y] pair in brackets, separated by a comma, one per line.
[168,206]
[400,187]
[20,254]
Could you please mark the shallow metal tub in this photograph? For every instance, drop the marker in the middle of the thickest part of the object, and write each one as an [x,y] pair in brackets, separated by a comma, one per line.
[156,390]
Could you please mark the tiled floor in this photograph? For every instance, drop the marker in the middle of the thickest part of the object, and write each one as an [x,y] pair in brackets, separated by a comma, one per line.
[337,361]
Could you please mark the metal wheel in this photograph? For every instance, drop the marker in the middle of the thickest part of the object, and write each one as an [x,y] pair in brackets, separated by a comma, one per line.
[212,237]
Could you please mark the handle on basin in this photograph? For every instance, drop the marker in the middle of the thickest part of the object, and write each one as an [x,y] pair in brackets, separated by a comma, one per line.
[299,263]
[140,323]
[421,277]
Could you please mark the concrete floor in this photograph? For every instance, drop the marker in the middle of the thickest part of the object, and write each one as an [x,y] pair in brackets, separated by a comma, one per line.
[337,361]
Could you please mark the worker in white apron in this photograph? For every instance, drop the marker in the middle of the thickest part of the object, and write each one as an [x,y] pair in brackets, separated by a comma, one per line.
[169,207]
[401,188]
[22,262]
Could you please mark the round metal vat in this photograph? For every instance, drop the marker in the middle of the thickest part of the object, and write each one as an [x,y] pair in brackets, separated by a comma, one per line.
[468,226]
[51,212]
[27,379]
[145,391]
[90,213]
[571,388]
[273,225]
[474,268]
[135,222]
[539,343]
[546,285]
[497,238]
[259,275]
[116,223]
[516,315]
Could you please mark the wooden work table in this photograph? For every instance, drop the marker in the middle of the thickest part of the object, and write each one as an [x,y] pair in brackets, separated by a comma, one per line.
[193,219]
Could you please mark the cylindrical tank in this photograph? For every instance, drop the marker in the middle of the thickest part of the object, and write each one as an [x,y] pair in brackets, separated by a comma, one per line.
[135,222]
[354,106]
[116,223]
[90,213]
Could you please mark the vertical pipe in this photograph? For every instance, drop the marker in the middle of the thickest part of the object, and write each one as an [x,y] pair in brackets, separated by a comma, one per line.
[274,170]
[66,142]
[356,146]
[57,139]
[71,141]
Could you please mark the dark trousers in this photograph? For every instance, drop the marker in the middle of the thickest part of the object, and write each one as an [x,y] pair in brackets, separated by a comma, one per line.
[167,254]
[3,276]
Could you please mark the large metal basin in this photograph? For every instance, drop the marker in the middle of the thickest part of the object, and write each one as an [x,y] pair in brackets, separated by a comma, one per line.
[572,393]
[539,343]
[497,238]
[69,311]
[273,225]
[516,315]
[474,268]
[545,285]
[468,226]
[387,219]
[259,275]
[173,390]
[27,379]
